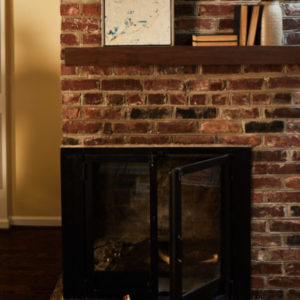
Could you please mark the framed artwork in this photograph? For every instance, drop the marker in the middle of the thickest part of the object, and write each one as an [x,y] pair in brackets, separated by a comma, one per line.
[138,22]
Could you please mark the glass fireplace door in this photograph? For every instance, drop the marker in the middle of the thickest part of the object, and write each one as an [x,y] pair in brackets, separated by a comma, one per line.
[120,231]
[199,202]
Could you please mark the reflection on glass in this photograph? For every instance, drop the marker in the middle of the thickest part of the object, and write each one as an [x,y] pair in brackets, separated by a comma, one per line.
[122,214]
[201,216]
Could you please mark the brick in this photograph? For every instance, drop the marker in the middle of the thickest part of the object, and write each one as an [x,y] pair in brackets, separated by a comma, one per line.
[288,168]
[206,85]
[275,126]
[150,113]
[241,140]
[198,99]
[221,69]
[291,24]
[285,226]
[167,70]
[194,24]
[293,240]
[267,211]
[193,139]
[257,282]
[290,112]
[240,99]
[70,99]
[267,294]
[293,38]
[261,99]
[266,268]
[295,211]
[259,169]
[283,196]
[293,126]
[80,24]
[69,39]
[265,240]
[93,99]
[77,85]
[284,82]
[220,127]
[293,294]
[69,9]
[284,254]
[64,70]
[121,84]
[156,99]
[70,141]
[163,84]
[219,99]
[184,10]
[133,70]
[293,68]
[292,9]
[95,70]
[115,99]
[266,182]
[70,112]
[177,99]
[81,127]
[258,226]
[102,113]
[91,39]
[292,182]
[284,281]
[295,155]
[196,113]
[150,140]
[265,155]
[260,254]
[132,127]
[215,10]
[282,141]
[135,99]
[263,68]
[91,9]
[282,98]
[112,140]
[297,98]
[257,197]
[226,24]
[246,84]
[240,113]
[176,127]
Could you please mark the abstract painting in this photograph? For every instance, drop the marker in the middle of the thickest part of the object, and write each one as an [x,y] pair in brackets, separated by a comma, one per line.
[137,22]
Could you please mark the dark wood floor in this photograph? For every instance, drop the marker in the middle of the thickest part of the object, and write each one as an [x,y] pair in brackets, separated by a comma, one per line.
[30,262]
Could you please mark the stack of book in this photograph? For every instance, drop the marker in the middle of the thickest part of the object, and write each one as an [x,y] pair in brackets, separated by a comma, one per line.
[247,20]
[215,40]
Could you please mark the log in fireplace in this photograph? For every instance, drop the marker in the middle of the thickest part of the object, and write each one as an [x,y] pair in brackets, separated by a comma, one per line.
[167,223]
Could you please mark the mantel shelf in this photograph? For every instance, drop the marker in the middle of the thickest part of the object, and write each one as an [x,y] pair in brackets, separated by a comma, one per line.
[181,55]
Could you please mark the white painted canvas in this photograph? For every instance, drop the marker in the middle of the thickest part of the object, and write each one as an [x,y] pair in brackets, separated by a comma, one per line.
[137,22]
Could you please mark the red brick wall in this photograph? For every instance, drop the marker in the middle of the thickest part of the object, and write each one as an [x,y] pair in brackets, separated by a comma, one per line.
[225,105]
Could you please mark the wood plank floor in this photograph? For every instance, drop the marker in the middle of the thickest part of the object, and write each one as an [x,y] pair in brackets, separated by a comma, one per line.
[30,262]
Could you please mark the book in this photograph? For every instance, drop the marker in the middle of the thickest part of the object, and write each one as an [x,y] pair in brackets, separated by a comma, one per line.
[215,38]
[253,25]
[243,25]
[226,43]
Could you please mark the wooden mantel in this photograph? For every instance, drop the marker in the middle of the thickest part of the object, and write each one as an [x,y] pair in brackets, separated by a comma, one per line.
[181,55]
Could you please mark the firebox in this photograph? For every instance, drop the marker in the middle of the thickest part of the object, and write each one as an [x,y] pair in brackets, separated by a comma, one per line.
[156,223]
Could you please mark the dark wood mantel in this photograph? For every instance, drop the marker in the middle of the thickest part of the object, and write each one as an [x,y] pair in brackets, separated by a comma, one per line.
[181,55]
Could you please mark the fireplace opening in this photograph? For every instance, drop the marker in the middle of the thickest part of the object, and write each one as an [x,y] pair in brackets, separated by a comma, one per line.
[167,223]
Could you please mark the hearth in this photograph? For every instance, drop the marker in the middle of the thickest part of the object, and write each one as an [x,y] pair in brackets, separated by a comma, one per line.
[156,223]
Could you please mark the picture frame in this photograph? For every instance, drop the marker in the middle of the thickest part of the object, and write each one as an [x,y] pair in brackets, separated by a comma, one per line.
[138,22]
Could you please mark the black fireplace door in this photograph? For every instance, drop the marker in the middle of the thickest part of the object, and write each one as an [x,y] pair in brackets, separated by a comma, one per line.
[200,230]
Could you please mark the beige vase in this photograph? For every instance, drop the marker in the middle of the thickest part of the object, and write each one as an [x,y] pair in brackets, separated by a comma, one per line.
[271,24]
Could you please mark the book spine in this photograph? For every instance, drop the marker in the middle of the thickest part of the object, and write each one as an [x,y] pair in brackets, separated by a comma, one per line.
[243,25]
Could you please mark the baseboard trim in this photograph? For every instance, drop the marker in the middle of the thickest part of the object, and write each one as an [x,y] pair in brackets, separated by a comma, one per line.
[4,224]
[35,221]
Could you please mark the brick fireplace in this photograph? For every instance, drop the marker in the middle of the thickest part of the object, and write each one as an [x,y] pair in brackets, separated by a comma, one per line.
[209,106]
